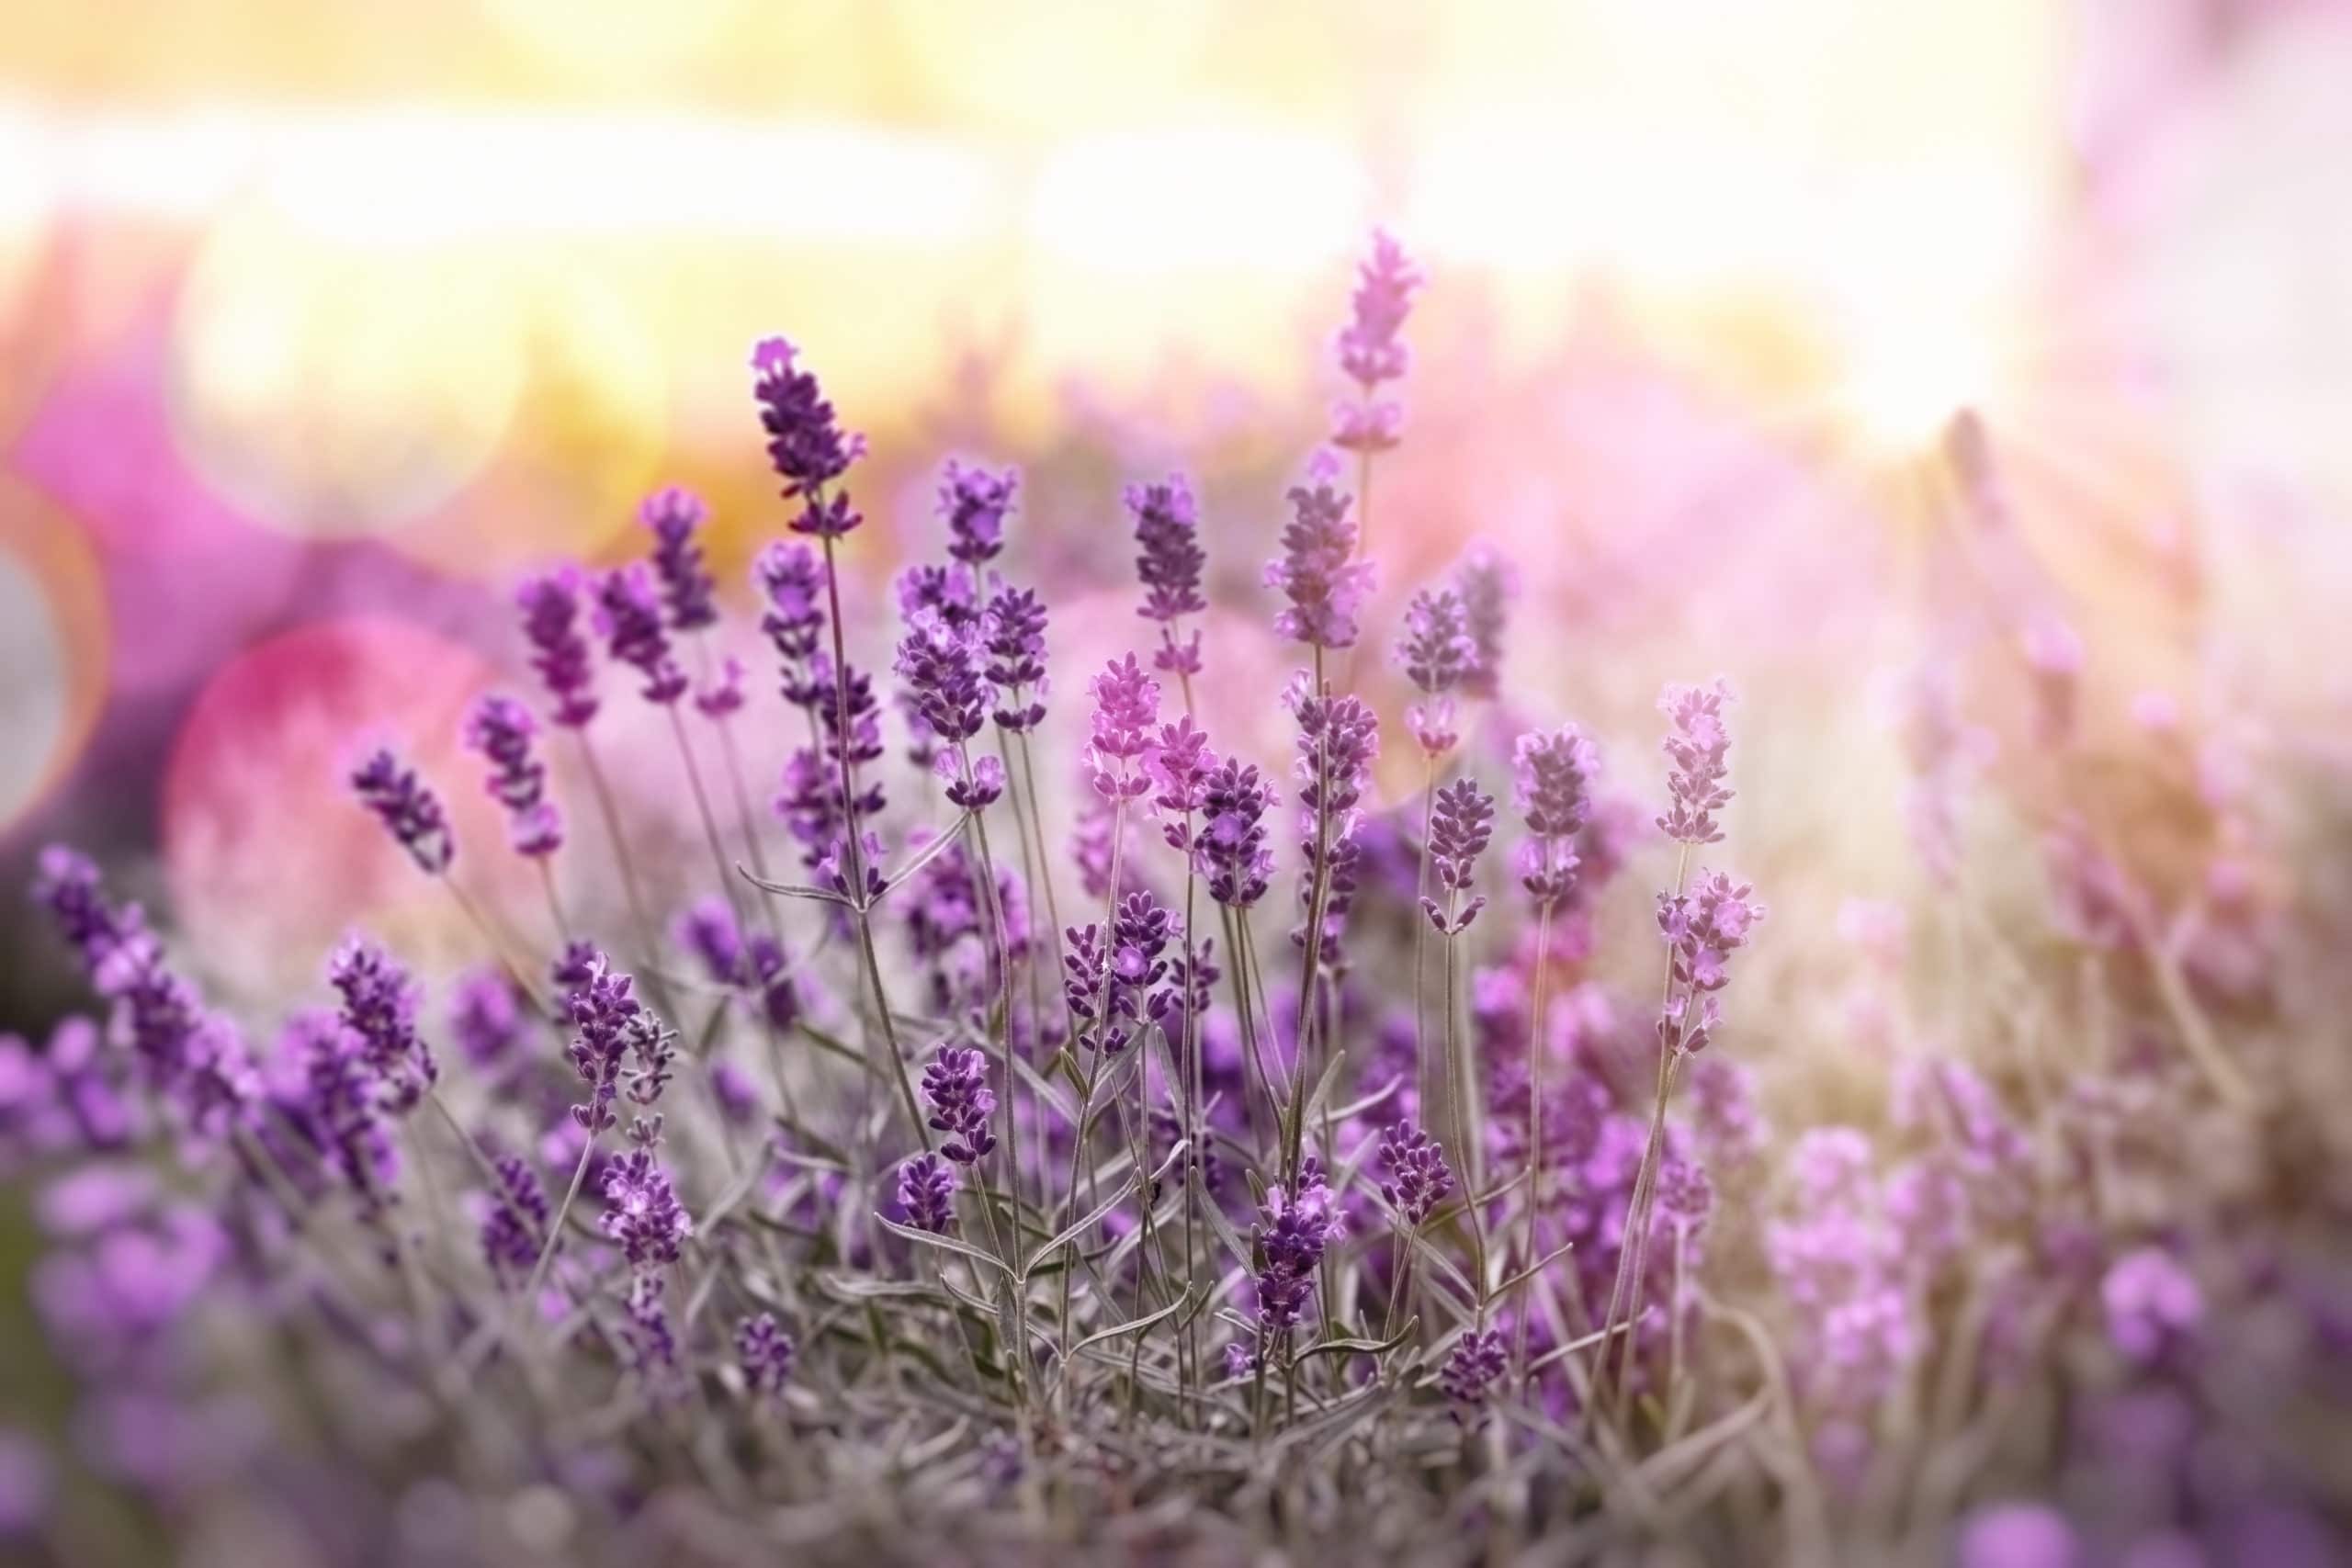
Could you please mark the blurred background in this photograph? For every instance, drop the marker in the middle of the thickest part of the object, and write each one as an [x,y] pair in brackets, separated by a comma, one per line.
[319,322]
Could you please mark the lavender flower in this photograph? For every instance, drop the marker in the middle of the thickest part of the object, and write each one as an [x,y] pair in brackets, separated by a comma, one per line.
[792,579]
[1696,746]
[502,729]
[1318,572]
[514,1230]
[379,1009]
[641,1211]
[1702,928]
[927,1192]
[410,811]
[551,606]
[940,666]
[1370,351]
[1462,819]
[652,1345]
[961,1102]
[1109,986]
[974,503]
[1290,1236]
[1182,762]
[1337,740]
[807,445]
[1168,562]
[766,1355]
[1232,841]
[674,516]
[1488,585]
[1684,1192]
[1436,653]
[1127,705]
[339,1110]
[1015,624]
[2151,1303]
[1553,778]
[1478,1360]
[629,612]
[1418,1178]
[614,1031]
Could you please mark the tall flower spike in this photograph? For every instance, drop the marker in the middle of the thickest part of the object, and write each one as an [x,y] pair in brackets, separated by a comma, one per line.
[1462,819]
[1551,785]
[1478,1360]
[940,666]
[974,501]
[642,1212]
[379,1009]
[792,580]
[629,612]
[927,1192]
[551,609]
[807,445]
[1696,745]
[1290,1236]
[1435,653]
[1127,705]
[1488,585]
[1170,560]
[675,516]
[767,1355]
[409,810]
[1418,1178]
[957,1085]
[1370,351]
[1232,840]
[1317,571]
[502,729]
[1702,928]
[1015,624]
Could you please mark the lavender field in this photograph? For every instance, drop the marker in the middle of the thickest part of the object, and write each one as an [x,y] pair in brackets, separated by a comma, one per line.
[1419,934]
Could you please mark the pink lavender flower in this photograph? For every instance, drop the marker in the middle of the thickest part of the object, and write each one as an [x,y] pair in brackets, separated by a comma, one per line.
[1436,653]
[652,1345]
[409,810]
[2053,657]
[927,1193]
[551,609]
[724,693]
[379,1009]
[675,516]
[1418,1178]
[1477,1362]
[2019,1535]
[629,612]
[807,445]
[1488,585]
[502,729]
[957,1085]
[1182,762]
[1015,624]
[1127,705]
[642,1212]
[2152,1305]
[1232,841]
[1318,572]
[1370,351]
[1169,561]
[1462,819]
[974,501]
[1696,746]
[766,1354]
[514,1231]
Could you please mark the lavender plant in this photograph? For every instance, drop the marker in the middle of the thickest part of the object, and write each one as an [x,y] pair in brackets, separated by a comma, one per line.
[1124,1235]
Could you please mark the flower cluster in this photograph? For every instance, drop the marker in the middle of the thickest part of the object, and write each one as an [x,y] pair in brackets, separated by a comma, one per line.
[807,445]
[1418,1178]
[1317,571]
[927,1193]
[1696,745]
[1551,785]
[955,1085]
[1462,819]
[1169,561]
[502,729]
[1370,351]
[409,810]
[674,517]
